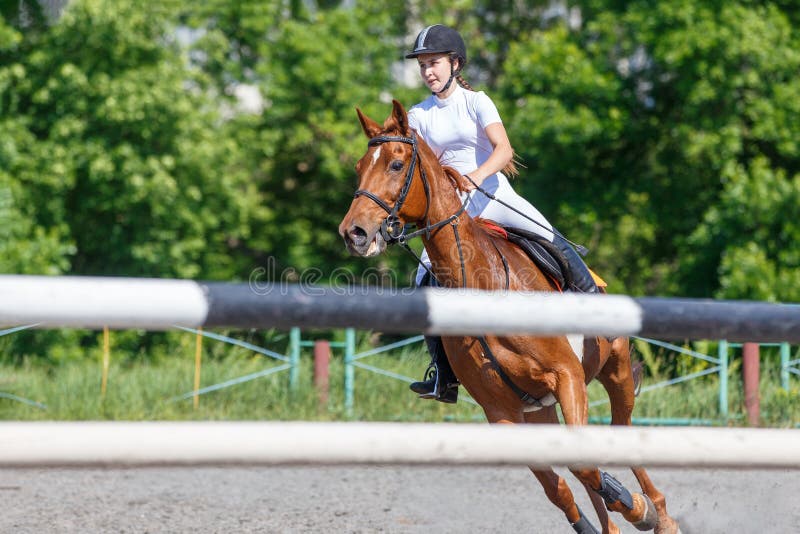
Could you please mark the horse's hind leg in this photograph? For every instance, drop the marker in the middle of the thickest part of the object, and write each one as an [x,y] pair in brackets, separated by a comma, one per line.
[617,378]
[557,490]
[634,507]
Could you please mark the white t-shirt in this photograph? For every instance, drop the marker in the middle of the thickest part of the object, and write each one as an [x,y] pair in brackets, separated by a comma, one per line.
[455,128]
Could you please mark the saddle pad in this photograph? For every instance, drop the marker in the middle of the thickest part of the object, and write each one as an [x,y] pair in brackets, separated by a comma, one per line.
[492,227]
[597,280]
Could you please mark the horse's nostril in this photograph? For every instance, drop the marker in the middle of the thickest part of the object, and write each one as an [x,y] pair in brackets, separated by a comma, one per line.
[358,236]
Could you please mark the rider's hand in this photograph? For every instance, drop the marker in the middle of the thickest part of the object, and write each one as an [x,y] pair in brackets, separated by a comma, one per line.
[469,183]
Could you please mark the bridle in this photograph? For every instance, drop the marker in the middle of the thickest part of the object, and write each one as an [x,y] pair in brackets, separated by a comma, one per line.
[392,228]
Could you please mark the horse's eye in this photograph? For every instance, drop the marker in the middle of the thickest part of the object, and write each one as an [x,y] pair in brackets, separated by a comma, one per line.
[396,165]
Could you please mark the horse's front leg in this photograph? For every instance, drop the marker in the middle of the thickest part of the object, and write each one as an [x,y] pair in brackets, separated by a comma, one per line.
[634,507]
[558,491]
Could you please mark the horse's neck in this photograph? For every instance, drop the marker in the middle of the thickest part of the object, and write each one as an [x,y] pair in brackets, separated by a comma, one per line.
[460,241]
[488,264]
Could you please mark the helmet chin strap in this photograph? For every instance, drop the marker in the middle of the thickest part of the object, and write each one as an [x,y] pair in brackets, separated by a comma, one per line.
[453,74]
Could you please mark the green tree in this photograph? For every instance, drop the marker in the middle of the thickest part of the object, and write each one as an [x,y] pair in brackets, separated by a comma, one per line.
[112,160]
[313,66]
[645,129]
[25,245]
[118,155]
[633,126]
[756,225]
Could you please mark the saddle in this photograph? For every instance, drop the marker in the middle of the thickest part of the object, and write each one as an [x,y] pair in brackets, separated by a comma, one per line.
[542,252]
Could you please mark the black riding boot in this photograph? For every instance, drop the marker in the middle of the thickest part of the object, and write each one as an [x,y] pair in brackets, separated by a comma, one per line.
[582,280]
[440,381]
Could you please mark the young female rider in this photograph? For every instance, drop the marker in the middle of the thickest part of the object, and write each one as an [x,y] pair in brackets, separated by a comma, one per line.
[465,131]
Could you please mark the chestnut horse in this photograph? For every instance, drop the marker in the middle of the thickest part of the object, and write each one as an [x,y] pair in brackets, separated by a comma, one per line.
[401,176]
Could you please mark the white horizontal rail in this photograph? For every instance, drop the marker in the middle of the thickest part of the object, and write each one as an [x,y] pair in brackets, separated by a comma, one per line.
[90,444]
[76,301]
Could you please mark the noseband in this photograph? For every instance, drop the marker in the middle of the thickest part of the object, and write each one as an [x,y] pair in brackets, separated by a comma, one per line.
[392,228]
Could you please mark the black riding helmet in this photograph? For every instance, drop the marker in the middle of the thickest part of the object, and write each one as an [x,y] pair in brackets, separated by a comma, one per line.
[439,39]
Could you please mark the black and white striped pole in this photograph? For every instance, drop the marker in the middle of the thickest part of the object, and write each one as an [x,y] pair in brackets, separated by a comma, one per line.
[160,304]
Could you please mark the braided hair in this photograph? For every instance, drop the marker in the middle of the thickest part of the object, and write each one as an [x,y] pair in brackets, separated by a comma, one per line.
[463,83]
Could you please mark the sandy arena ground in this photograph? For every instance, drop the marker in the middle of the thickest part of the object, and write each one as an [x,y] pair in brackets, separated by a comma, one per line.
[367,499]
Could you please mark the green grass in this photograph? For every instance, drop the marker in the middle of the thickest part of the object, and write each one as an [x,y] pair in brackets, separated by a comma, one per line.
[144,389]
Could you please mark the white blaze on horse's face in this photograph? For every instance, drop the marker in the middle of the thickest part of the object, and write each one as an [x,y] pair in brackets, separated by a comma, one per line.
[376,155]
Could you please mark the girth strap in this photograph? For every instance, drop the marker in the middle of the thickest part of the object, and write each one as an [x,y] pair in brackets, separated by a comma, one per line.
[523,396]
[505,265]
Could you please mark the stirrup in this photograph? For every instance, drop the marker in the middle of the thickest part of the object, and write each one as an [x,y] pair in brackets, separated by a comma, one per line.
[427,386]
[430,388]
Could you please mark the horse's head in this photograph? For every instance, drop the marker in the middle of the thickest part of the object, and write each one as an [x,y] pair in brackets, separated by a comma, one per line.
[392,188]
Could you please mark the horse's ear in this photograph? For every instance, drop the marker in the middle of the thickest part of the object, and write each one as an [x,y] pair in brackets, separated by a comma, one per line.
[370,127]
[401,118]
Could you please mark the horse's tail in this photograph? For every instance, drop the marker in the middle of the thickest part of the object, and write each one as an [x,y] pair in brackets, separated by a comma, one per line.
[637,369]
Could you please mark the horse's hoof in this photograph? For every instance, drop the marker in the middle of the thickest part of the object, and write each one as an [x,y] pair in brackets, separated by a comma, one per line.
[650,518]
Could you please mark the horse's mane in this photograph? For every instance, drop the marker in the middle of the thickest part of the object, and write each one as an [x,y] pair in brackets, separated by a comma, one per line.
[459,182]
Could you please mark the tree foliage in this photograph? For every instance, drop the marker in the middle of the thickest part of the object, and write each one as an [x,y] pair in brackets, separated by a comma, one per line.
[312,65]
[635,125]
[113,155]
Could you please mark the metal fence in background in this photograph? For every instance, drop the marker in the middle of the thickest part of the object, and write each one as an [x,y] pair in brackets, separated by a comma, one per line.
[291,362]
